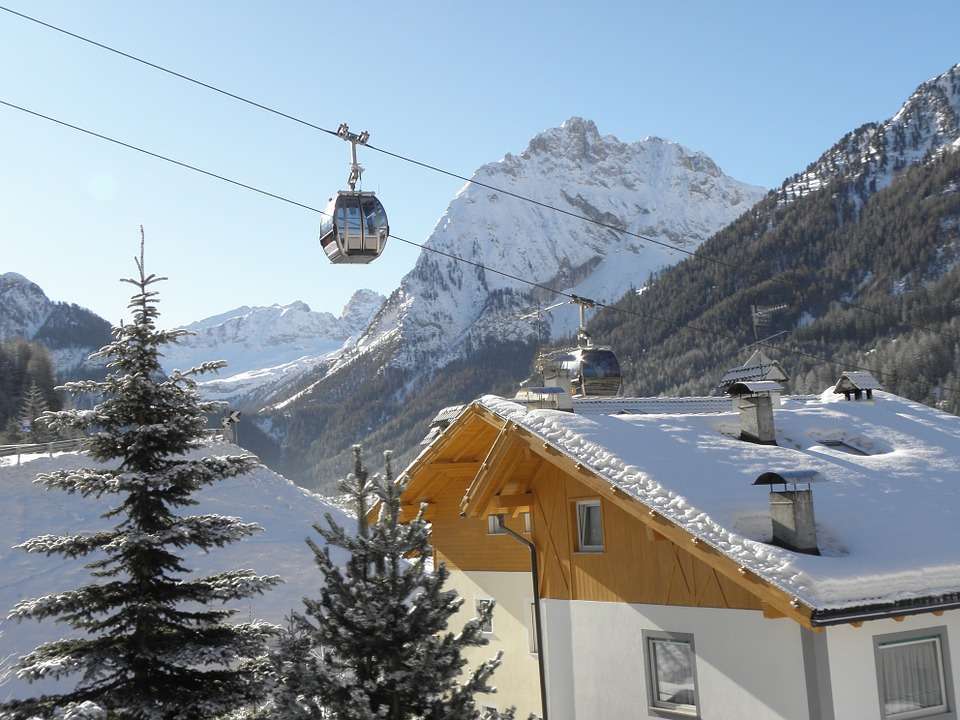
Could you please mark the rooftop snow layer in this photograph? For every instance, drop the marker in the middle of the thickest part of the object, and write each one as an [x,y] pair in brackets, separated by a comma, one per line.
[888,522]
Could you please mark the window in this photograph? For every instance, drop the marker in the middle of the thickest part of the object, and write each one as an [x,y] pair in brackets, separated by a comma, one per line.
[589,526]
[671,673]
[495,525]
[532,625]
[482,604]
[913,674]
[527,523]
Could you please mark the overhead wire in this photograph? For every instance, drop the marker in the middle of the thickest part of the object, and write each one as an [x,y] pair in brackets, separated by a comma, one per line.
[428,166]
[817,359]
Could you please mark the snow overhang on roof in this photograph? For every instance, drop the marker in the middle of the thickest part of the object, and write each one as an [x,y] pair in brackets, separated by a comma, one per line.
[687,469]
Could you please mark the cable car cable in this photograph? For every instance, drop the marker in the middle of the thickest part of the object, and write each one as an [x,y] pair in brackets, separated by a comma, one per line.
[429,166]
[307,123]
[161,68]
[817,359]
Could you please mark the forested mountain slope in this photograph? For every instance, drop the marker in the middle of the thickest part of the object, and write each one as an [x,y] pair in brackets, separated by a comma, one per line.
[868,279]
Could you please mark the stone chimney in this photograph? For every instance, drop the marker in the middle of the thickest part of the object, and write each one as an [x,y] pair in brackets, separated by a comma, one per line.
[791,509]
[755,402]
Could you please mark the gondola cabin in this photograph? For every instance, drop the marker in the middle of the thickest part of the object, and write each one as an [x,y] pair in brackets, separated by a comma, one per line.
[587,371]
[354,228]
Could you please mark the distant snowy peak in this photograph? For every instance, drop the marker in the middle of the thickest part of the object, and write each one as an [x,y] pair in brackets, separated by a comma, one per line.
[282,324]
[651,187]
[263,346]
[24,307]
[68,331]
[359,310]
[928,123]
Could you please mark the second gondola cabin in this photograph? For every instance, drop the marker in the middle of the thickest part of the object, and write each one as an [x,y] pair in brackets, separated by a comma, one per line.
[354,228]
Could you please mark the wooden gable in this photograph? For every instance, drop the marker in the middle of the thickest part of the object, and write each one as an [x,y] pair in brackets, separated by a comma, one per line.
[483,465]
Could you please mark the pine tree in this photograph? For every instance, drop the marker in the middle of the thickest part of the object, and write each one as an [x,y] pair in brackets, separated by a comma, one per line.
[151,646]
[33,406]
[375,644]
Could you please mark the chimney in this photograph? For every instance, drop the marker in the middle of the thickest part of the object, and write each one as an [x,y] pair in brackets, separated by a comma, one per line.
[791,509]
[755,402]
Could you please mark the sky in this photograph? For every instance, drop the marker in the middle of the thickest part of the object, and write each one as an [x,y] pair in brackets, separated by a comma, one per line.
[761,87]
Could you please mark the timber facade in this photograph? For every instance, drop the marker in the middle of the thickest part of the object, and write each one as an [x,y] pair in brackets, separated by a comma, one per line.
[603,612]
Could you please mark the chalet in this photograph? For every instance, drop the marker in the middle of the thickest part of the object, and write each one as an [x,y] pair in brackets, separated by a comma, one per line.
[731,558]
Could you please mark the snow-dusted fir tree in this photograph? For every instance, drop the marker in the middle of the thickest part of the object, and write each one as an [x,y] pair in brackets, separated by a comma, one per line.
[154,640]
[34,405]
[375,643]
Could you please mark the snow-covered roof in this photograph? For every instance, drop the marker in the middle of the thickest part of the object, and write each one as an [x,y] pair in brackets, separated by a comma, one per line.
[649,405]
[888,522]
[757,367]
[856,380]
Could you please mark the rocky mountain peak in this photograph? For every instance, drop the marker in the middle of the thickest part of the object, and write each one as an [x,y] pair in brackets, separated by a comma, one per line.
[360,308]
[927,123]
[69,332]
[651,186]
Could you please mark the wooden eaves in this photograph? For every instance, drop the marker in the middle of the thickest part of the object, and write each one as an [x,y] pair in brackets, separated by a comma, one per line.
[480,497]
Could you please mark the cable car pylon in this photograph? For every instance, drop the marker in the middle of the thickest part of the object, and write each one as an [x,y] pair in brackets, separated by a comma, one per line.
[354,228]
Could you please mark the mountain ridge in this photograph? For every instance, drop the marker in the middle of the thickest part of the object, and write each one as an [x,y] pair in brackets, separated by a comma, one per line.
[68,331]
[445,314]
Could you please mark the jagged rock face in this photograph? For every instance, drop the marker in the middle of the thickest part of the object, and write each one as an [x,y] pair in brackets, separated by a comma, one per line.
[24,307]
[266,347]
[653,187]
[68,331]
[926,124]
[358,311]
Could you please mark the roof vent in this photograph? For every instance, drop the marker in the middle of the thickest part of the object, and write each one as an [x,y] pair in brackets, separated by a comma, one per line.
[857,383]
[441,422]
[791,509]
[758,367]
[755,402]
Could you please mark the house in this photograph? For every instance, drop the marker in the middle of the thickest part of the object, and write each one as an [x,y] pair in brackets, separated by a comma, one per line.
[655,558]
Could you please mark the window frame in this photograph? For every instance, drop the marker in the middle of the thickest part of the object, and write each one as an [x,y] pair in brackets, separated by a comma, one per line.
[493,526]
[948,711]
[580,546]
[532,627]
[477,601]
[659,708]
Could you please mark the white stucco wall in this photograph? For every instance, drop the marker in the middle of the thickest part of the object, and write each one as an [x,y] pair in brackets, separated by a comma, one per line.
[518,679]
[853,670]
[748,667]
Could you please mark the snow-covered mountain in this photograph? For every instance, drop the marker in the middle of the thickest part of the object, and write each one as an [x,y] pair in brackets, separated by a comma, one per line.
[285,512]
[451,330]
[69,331]
[653,187]
[926,124]
[268,347]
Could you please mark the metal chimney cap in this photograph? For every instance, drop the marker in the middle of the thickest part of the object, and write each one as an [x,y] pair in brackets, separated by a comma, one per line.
[753,387]
[790,477]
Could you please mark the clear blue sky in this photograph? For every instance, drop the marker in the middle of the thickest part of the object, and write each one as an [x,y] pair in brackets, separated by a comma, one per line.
[761,87]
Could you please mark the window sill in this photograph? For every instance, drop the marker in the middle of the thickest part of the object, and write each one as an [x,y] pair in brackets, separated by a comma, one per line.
[663,712]
[589,552]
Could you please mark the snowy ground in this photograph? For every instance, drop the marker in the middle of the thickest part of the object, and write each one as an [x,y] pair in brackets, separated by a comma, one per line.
[284,510]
